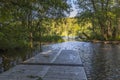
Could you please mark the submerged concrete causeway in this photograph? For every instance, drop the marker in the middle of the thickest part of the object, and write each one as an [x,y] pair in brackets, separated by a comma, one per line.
[50,65]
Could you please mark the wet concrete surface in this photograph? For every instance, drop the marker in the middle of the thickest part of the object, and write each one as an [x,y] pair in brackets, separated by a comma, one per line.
[68,57]
[43,57]
[36,72]
[100,61]
[66,72]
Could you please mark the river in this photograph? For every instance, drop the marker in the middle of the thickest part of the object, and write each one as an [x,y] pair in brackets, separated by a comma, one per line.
[101,61]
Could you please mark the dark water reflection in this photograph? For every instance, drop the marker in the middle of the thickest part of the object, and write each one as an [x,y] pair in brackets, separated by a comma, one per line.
[102,61]
[14,57]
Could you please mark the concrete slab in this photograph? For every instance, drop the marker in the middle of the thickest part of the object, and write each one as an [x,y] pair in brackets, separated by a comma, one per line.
[43,57]
[68,57]
[24,72]
[35,72]
[68,73]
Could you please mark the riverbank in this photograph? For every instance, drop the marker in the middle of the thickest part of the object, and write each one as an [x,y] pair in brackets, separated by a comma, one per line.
[105,42]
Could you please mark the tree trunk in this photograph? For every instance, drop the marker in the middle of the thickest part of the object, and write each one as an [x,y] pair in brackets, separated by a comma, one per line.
[31,40]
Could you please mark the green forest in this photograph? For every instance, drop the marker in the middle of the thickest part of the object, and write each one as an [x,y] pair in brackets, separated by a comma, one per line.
[29,23]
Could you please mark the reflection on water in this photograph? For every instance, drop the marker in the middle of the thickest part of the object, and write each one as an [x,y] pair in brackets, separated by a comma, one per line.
[102,61]
[11,58]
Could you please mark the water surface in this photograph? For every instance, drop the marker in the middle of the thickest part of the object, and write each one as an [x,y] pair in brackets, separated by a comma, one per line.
[101,61]
[13,57]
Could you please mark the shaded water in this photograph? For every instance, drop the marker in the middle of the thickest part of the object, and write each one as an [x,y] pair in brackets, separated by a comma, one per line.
[13,57]
[101,61]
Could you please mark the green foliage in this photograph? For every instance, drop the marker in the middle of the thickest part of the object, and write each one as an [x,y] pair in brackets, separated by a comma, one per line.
[103,15]
[23,22]
[52,38]
[12,37]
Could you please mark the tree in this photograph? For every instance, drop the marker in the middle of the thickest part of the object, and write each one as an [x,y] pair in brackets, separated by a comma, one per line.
[102,16]
[30,16]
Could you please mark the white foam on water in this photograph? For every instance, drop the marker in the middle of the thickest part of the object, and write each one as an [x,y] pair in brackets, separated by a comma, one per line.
[71,45]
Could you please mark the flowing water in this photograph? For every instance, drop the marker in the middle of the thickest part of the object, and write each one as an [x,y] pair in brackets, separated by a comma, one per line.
[101,61]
